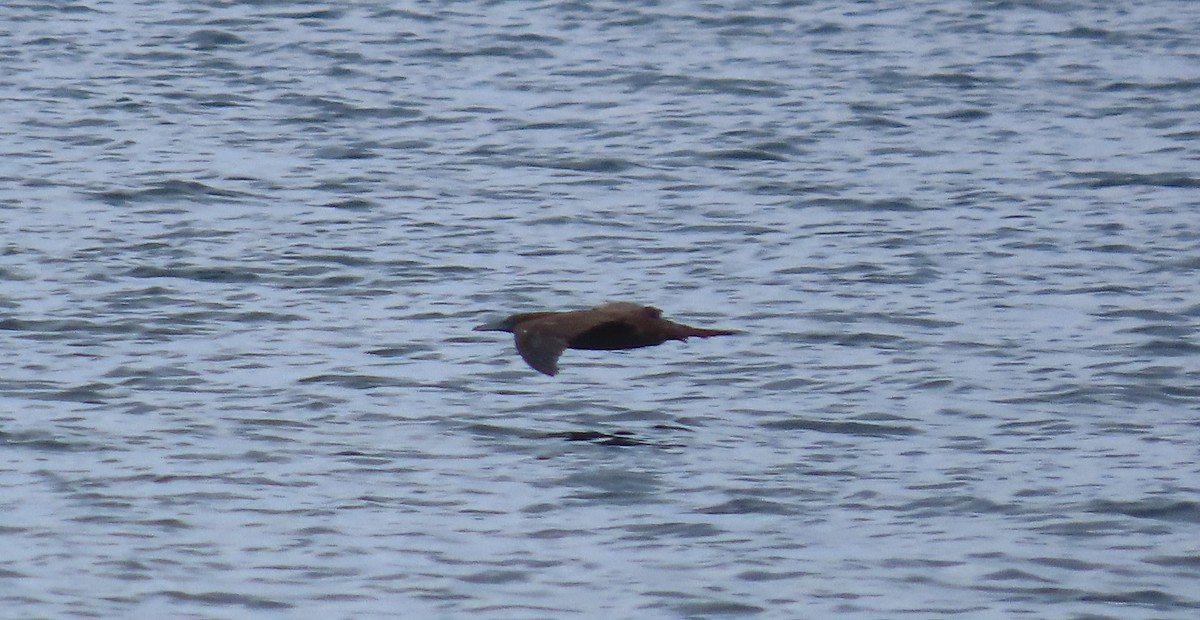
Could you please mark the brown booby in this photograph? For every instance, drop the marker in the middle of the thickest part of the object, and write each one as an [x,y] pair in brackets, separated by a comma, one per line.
[542,336]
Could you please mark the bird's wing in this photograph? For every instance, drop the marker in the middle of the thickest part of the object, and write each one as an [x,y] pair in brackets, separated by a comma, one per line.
[540,348]
[542,341]
[619,309]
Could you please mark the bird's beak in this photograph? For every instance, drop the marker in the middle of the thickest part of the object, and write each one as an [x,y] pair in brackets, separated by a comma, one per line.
[494,326]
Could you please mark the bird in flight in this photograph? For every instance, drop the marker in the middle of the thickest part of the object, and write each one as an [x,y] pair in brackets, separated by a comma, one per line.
[541,337]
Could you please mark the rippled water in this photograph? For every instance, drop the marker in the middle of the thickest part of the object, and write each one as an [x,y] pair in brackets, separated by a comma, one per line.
[245,244]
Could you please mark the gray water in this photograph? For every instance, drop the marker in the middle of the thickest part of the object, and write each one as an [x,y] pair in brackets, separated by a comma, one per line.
[245,242]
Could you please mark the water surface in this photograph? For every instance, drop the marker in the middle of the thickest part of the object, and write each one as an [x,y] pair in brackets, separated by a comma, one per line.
[245,244]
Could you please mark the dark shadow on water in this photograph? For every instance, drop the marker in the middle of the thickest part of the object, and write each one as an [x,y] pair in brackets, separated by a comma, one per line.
[615,438]
[601,438]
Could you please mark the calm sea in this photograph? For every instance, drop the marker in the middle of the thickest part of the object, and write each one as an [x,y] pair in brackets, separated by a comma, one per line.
[244,244]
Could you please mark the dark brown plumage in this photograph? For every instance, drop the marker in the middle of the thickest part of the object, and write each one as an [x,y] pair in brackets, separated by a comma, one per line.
[541,337]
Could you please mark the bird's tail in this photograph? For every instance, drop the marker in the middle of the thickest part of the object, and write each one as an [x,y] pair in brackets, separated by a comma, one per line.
[700,332]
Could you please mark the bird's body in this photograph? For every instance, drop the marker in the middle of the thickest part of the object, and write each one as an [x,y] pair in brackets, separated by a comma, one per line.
[541,337]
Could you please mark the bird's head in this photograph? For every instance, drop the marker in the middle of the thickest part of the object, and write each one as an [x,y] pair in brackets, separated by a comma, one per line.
[499,325]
